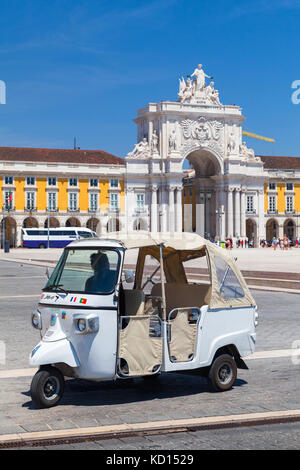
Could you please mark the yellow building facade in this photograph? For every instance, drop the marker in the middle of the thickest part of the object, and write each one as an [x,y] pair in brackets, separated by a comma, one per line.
[41,187]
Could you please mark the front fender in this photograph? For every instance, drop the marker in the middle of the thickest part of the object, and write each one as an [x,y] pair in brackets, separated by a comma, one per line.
[53,353]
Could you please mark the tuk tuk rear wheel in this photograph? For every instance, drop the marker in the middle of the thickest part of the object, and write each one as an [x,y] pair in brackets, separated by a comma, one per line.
[222,373]
[47,387]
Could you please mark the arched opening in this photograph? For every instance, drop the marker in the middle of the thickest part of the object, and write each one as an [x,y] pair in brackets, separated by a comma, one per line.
[94,225]
[140,224]
[271,229]
[201,198]
[52,221]
[73,222]
[113,225]
[30,222]
[9,231]
[289,229]
[251,232]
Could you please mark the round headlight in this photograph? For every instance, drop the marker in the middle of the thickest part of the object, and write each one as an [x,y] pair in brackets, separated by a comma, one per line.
[81,324]
[36,320]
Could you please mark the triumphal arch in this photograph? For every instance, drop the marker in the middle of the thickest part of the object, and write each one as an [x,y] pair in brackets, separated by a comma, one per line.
[194,131]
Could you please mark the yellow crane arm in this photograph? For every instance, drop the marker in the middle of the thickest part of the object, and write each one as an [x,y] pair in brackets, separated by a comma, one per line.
[256,136]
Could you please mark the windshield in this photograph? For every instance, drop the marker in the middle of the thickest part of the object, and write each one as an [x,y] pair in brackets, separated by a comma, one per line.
[93,271]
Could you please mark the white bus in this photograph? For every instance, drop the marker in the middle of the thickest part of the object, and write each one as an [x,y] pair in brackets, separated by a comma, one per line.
[54,237]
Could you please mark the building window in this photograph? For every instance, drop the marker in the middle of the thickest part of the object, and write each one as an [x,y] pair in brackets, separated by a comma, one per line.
[8,200]
[272,186]
[73,181]
[73,201]
[113,202]
[250,203]
[30,201]
[8,180]
[289,186]
[290,204]
[114,183]
[94,182]
[93,202]
[51,181]
[191,192]
[52,201]
[30,181]
[140,200]
[272,203]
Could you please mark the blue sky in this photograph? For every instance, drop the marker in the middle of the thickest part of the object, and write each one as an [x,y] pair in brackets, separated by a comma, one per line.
[83,68]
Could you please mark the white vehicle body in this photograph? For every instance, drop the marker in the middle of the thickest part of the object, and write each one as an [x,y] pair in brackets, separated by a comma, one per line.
[127,332]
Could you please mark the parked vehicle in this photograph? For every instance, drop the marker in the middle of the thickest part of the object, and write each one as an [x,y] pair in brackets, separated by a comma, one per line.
[99,321]
[54,237]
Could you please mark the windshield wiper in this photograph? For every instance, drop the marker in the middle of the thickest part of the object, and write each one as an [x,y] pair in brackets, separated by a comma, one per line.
[53,287]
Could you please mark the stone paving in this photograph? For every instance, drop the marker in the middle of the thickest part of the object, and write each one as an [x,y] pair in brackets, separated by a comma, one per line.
[272,437]
[257,259]
[268,385]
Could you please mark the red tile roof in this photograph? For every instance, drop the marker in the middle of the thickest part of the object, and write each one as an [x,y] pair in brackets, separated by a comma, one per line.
[280,163]
[20,154]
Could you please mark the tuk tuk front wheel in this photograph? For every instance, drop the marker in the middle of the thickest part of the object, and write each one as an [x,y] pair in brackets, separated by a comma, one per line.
[222,373]
[47,387]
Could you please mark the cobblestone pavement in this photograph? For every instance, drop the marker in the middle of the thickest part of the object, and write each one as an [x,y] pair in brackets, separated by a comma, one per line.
[268,385]
[271,437]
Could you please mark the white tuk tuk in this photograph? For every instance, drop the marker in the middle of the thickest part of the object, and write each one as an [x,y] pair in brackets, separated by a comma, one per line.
[100,321]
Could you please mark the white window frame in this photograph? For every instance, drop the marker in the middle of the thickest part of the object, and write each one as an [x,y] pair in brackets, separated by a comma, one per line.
[71,180]
[52,201]
[30,200]
[114,202]
[28,183]
[73,201]
[93,202]
[272,203]
[49,182]
[140,202]
[6,204]
[289,204]
[113,185]
[94,185]
[9,183]
[250,204]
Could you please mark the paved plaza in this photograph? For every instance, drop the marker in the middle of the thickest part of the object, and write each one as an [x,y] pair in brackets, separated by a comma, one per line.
[257,259]
[271,383]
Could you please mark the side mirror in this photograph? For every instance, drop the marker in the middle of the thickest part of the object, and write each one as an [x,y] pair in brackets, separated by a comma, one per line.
[47,273]
[128,276]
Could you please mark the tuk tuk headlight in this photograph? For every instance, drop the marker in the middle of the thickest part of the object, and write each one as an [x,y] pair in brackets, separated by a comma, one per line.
[36,320]
[86,325]
[81,324]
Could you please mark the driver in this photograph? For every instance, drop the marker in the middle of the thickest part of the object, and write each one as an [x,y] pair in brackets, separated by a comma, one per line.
[103,278]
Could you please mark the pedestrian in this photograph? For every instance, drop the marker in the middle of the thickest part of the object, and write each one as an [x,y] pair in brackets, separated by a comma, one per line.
[242,243]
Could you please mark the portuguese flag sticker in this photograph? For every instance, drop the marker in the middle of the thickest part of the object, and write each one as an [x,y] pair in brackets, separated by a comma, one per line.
[82,301]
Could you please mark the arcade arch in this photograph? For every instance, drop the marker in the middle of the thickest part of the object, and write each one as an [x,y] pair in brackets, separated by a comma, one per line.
[201,200]
[272,229]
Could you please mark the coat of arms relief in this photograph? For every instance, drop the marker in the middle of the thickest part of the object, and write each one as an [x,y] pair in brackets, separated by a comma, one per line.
[203,133]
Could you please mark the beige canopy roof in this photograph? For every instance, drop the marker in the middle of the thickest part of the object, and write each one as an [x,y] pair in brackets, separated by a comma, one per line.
[228,287]
[175,240]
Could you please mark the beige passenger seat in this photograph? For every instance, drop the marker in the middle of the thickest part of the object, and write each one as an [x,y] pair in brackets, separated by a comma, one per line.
[134,302]
[183,295]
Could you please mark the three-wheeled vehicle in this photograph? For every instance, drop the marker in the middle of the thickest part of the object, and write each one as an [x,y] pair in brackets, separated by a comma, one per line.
[100,321]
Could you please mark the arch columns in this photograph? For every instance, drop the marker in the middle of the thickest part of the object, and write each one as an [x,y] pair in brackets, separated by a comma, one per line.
[179,209]
[229,211]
